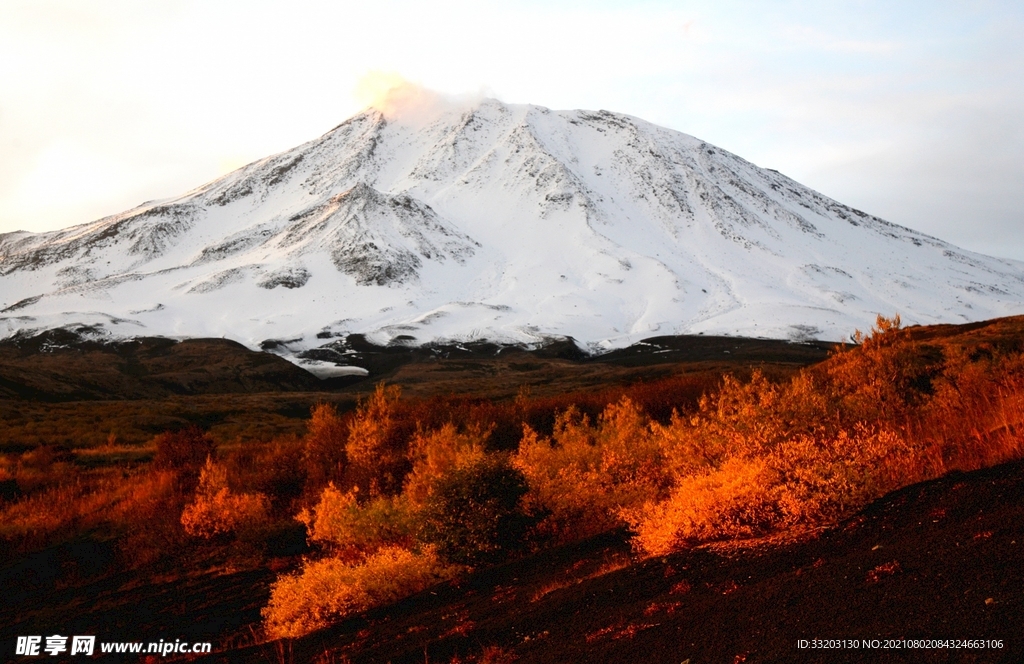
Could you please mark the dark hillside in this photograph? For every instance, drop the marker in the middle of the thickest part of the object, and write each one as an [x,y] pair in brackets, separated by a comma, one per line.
[938,560]
[63,365]
[682,500]
[60,365]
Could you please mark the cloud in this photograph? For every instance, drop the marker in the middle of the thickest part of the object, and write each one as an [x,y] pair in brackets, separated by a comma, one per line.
[402,100]
[395,96]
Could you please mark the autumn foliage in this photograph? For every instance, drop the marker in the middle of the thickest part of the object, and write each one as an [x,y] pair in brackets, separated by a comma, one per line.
[754,456]
[397,494]
[585,474]
[758,457]
[330,589]
[217,510]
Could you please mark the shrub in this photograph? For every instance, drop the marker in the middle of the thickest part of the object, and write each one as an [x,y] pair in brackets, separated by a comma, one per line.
[757,457]
[329,590]
[584,475]
[474,514]
[728,501]
[436,453]
[373,443]
[804,482]
[884,378]
[975,416]
[353,530]
[324,447]
[216,510]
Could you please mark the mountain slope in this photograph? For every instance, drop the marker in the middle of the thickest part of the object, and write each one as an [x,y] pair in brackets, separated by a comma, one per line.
[504,222]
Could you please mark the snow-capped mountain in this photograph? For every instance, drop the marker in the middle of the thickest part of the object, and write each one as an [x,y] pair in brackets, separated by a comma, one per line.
[494,221]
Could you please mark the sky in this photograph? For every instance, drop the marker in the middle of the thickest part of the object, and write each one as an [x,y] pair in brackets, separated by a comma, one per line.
[911,111]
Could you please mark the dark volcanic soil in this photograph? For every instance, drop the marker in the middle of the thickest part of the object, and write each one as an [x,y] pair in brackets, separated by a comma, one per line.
[214,605]
[57,388]
[939,560]
[59,365]
[62,365]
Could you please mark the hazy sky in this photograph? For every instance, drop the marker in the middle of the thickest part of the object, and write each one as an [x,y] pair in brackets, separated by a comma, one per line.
[913,111]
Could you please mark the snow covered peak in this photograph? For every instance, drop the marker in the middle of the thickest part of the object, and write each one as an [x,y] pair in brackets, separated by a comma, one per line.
[440,220]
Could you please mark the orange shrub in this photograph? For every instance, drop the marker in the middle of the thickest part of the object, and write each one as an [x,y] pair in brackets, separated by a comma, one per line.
[373,443]
[883,379]
[216,510]
[353,530]
[585,474]
[328,590]
[324,452]
[740,417]
[975,417]
[757,458]
[803,482]
[435,453]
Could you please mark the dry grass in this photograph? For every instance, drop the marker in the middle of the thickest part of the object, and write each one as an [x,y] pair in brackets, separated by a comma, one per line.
[576,576]
[84,503]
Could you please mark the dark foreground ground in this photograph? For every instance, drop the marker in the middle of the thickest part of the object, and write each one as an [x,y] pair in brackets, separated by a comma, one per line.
[939,560]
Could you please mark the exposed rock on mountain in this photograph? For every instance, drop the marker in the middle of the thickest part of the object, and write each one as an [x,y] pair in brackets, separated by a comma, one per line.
[511,223]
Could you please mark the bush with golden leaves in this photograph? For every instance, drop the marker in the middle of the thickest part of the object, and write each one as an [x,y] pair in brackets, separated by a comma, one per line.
[739,418]
[216,510]
[324,446]
[883,379]
[436,453]
[373,444]
[585,474]
[350,529]
[803,482]
[328,590]
[976,414]
[758,458]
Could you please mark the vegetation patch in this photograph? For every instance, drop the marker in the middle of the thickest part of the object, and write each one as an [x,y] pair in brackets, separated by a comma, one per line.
[394,494]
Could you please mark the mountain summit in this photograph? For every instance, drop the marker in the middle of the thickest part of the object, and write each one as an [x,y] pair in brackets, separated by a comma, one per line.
[511,223]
